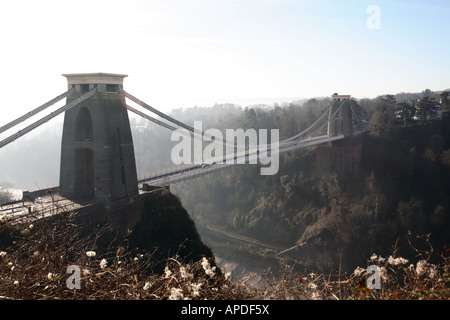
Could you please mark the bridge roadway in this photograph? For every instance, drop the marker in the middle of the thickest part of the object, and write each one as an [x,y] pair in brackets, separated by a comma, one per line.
[181,173]
[28,210]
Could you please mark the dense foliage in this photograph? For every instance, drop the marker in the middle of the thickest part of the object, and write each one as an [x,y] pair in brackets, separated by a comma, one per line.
[51,260]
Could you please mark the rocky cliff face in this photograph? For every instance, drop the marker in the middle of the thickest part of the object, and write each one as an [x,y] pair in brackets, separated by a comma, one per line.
[342,158]
[155,223]
[166,229]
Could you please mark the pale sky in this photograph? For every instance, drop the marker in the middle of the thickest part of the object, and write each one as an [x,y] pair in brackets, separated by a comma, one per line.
[181,53]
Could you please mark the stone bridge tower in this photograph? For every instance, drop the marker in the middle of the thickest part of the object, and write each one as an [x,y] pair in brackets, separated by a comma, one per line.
[343,120]
[341,157]
[97,153]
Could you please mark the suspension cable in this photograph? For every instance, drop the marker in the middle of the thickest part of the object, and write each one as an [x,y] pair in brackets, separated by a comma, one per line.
[330,119]
[43,120]
[35,111]
[307,129]
[201,133]
[143,115]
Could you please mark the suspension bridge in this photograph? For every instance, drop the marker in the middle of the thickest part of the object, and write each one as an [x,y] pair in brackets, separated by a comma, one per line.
[97,153]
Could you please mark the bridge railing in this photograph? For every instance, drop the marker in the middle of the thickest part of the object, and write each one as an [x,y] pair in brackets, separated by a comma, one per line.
[165,172]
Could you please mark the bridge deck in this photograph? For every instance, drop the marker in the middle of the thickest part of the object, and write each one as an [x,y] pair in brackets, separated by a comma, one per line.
[174,175]
[27,210]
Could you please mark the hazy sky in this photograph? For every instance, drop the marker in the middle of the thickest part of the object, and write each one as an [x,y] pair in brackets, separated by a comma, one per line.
[179,53]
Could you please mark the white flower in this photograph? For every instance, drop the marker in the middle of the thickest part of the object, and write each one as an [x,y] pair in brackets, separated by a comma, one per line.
[312,285]
[421,267]
[50,276]
[359,271]
[185,274]
[208,270]
[433,271]
[90,253]
[16,282]
[375,257]
[315,295]
[391,260]
[402,260]
[2,254]
[167,272]
[383,273]
[103,263]
[176,294]
[30,226]
[196,289]
[396,261]
[147,285]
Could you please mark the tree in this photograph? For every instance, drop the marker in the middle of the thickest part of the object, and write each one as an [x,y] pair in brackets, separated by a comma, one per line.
[444,98]
[249,118]
[389,101]
[427,93]
[426,106]
[383,118]
[7,192]
[5,196]
[405,111]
